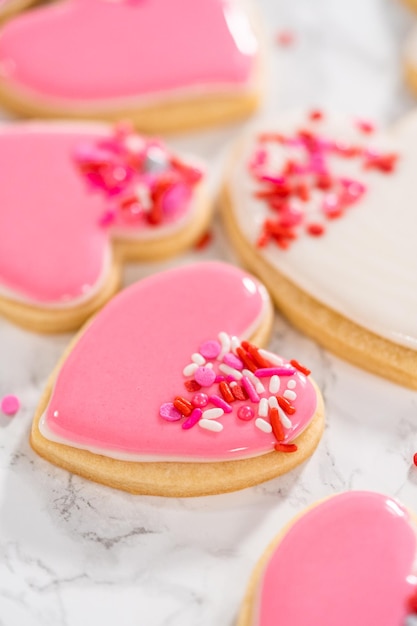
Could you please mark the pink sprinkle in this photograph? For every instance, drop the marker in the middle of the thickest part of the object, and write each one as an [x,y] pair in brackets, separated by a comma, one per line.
[233,361]
[199,400]
[193,419]
[246,413]
[205,376]
[276,180]
[219,378]
[331,203]
[169,413]
[265,372]
[365,127]
[221,404]
[353,190]
[210,349]
[250,389]
[10,405]
[285,38]
[107,218]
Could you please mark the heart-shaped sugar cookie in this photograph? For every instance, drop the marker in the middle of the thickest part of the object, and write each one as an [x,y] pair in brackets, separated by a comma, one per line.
[161,393]
[165,65]
[67,191]
[323,210]
[349,560]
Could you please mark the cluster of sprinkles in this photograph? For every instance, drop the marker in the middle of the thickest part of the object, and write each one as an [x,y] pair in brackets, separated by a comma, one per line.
[304,185]
[226,374]
[141,180]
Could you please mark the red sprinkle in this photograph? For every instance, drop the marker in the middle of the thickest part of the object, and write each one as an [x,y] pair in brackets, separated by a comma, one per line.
[365,127]
[316,115]
[285,38]
[239,392]
[277,427]
[246,359]
[257,358]
[192,385]
[315,229]
[415,459]
[204,241]
[183,405]
[286,405]
[301,368]
[226,392]
[285,447]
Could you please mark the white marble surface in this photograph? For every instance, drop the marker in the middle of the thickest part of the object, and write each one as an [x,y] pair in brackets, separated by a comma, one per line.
[75,553]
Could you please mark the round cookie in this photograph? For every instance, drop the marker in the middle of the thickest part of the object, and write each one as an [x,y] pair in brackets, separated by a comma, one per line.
[161,394]
[76,200]
[164,65]
[347,560]
[322,210]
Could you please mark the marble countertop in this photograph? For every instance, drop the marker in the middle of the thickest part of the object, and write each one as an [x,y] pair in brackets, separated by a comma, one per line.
[73,552]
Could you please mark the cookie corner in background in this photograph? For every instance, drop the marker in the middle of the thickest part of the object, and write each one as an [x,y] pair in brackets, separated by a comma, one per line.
[322,208]
[167,66]
[169,395]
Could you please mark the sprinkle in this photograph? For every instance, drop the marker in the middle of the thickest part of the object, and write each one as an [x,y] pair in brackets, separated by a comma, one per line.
[233,361]
[316,115]
[221,404]
[255,354]
[205,376]
[211,425]
[245,413]
[231,371]
[415,459]
[190,369]
[197,358]
[265,372]
[199,400]
[285,447]
[315,229]
[277,427]
[284,419]
[289,394]
[213,414]
[234,343]
[301,368]
[274,384]
[263,408]
[204,241]
[10,405]
[250,375]
[193,419]
[192,385]
[219,378]
[259,387]
[291,384]
[270,356]
[210,349]
[167,411]
[225,345]
[286,405]
[184,406]
[209,365]
[263,425]
[273,402]
[250,389]
[226,392]
[365,127]
[238,391]
[285,38]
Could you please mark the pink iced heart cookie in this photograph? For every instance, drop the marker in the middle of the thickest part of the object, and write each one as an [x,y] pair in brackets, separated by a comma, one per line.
[164,394]
[348,560]
[323,210]
[165,65]
[75,201]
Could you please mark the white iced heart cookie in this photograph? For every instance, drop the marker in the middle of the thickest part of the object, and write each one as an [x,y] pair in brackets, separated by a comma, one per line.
[323,209]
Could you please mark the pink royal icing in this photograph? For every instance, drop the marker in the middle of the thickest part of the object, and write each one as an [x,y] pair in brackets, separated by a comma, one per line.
[347,561]
[110,394]
[54,249]
[127,48]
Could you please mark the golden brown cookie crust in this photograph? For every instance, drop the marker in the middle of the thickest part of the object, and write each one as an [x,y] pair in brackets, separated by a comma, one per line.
[175,479]
[335,332]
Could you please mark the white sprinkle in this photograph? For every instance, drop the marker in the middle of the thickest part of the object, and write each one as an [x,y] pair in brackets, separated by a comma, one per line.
[263,408]
[259,387]
[212,414]
[290,395]
[273,402]
[270,356]
[210,425]
[143,195]
[234,344]
[209,365]
[274,384]
[291,384]
[251,376]
[230,371]
[198,358]
[190,369]
[225,344]
[286,422]
[261,424]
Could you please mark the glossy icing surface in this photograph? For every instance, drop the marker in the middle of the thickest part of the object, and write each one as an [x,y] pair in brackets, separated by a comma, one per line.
[108,394]
[53,251]
[364,266]
[346,561]
[166,46]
